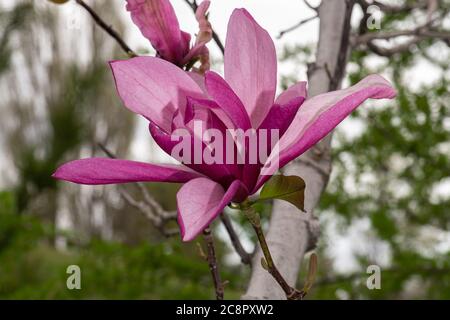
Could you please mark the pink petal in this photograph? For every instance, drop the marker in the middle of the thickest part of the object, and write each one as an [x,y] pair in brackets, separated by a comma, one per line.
[250,64]
[319,115]
[278,118]
[225,97]
[294,91]
[107,171]
[199,202]
[199,80]
[223,173]
[158,23]
[281,116]
[153,88]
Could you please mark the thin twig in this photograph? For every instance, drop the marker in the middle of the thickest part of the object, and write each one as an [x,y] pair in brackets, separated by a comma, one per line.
[309,5]
[102,24]
[393,9]
[246,258]
[212,262]
[149,206]
[296,26]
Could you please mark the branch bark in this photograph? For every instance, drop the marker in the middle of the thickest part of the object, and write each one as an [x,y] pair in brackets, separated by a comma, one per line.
[213,265]
[102,24]
[291,234]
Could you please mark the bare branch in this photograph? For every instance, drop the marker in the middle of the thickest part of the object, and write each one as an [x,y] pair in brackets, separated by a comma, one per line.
[309,5]
[149,206]
[246,258]
[102,24]
[421,32]
[393,9]
[212,262]
[296,26]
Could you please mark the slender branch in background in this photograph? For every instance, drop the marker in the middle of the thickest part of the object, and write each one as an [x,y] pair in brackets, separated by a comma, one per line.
[246,258]
[212,262]
[296,26]
[193,5]
[309,5]
[418,34]
[149,206]
[102,24]
[392,9]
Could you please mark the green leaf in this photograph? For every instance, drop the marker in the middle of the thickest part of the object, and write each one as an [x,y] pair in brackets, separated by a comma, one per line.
[287,188]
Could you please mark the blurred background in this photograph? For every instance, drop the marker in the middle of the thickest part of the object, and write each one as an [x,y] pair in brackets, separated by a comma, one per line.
[387,203]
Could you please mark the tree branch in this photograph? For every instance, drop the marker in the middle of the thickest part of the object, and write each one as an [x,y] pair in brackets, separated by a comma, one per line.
[149,206]
[393,9]
[420,32]
[309,5]
[212,262]
[102,24]
[296,26]
[246,258]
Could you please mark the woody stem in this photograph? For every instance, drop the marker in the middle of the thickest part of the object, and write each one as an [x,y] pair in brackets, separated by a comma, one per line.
[254,218]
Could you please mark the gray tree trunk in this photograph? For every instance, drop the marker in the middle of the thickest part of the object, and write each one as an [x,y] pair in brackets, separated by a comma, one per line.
[291,234]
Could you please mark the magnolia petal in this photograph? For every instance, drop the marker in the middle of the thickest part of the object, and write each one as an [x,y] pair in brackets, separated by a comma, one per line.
[220,172]
[279,118]
[294,91]
[250,64]
[153,88]
[159,24]
[319,115]
[225,97]
[95,171]
[199,202]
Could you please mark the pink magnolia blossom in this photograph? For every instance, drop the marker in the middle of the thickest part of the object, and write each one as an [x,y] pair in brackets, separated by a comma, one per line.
[171,98]
[158,23]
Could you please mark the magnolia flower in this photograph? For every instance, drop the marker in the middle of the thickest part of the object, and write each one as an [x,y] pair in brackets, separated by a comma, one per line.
[158,23]
[172,99]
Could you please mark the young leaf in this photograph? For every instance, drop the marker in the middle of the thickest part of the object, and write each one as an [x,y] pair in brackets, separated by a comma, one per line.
[288,188]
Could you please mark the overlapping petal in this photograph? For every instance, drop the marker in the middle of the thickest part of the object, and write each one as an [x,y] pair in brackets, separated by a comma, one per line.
[319,115]
[294,91]
[250,64]
[95,171]
[227,99]
[199,202]
[154,88]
